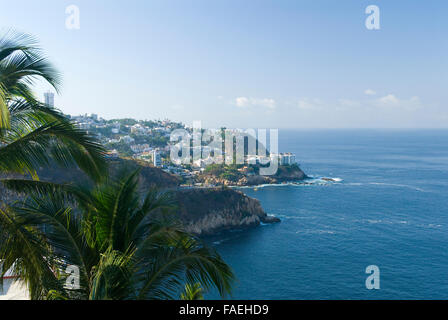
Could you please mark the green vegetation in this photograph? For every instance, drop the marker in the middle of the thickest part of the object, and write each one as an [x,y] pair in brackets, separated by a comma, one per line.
[122,147]
[125,248]
[155,139]
[124,122]
[228,172]
[192,292]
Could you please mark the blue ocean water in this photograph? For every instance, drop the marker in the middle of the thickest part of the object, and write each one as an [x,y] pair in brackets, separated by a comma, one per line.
[389,210]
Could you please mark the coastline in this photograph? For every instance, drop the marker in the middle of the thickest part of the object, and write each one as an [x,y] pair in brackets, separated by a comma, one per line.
[244,177]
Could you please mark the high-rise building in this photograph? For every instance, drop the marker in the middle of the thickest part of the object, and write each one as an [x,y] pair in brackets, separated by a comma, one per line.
[49,98]
[156,158]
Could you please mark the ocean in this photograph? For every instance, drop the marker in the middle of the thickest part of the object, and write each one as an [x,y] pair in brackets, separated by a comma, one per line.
[389,209]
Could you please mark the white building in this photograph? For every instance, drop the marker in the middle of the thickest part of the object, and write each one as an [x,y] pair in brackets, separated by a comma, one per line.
[138,129]
[156,158]
[12,288]
[127,139]
[49,98]
[138,148]
[92,116]
[284,159]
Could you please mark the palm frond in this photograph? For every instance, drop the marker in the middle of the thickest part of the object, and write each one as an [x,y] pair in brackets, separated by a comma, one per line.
[59,141]
[188,260]
[21,63]
[24,251]
[113,276]
[30,132]
[155,211]
[40,188]
[192,292]
[125,248]
[4,111]
[60,227]
[115,201]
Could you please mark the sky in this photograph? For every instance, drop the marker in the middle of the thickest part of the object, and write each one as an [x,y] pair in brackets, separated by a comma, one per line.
[246,64]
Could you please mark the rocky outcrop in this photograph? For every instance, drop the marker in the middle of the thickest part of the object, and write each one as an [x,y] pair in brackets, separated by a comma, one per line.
[284,174]
[211,210]
[290,174]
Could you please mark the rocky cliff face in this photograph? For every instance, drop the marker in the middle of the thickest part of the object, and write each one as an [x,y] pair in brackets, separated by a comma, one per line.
[211,210]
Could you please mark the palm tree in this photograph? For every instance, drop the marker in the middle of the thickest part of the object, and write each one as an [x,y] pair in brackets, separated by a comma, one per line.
[124,247]
[33,134]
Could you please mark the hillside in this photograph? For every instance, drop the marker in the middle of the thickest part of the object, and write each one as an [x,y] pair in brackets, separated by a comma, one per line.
[203,211]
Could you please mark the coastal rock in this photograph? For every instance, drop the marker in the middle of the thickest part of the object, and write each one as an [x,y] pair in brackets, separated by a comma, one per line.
[270,219]
[289,174]
[284,174]
[212,210]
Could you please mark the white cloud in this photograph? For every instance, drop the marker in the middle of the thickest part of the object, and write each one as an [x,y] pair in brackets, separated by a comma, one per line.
[391,100]
[370,92]
[388,100]
[309,104]
[244,102]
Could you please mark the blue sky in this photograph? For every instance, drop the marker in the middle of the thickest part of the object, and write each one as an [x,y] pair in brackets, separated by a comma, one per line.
[239,63]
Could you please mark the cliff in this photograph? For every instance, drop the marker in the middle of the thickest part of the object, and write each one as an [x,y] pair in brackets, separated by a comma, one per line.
[212,210]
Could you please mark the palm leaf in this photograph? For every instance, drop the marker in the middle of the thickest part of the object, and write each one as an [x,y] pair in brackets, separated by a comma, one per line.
[170,266]
[192,292]
[24,251]
[58,141]
[4,111]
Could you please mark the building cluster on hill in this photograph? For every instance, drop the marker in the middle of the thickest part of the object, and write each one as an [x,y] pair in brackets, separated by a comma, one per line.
[150,141]
[144,140]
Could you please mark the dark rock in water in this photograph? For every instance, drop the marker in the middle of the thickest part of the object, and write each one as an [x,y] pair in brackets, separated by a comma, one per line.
[290,173]
[270,219]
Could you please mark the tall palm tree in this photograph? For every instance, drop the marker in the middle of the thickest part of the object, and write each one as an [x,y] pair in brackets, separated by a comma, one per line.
[125,247]
[33,134]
